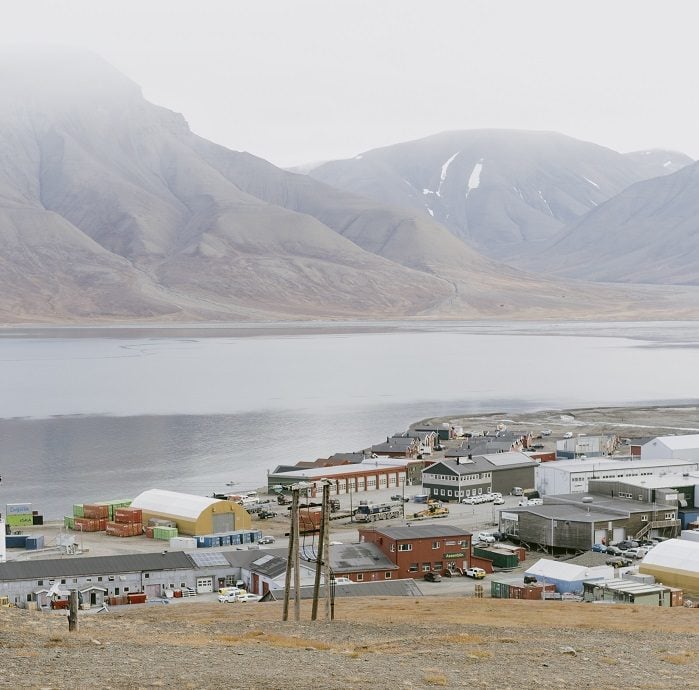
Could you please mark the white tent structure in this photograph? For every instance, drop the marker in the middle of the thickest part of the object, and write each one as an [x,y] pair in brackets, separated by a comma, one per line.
[674,562]
[568,577]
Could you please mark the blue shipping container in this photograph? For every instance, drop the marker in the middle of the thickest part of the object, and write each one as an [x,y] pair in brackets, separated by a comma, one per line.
[16,541]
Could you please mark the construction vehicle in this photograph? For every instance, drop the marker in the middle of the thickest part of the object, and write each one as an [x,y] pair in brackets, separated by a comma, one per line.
[377,511]
[263,514]
[334,505]
[435,509]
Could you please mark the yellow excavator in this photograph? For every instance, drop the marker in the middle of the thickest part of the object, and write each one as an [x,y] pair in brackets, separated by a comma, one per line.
[435,509]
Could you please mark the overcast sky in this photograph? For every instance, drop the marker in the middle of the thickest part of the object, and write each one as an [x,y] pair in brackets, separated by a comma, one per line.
[296,81]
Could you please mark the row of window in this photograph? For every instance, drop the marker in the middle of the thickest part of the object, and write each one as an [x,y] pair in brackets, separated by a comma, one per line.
[426,567]
[454,478]
[435,545]
[459,494]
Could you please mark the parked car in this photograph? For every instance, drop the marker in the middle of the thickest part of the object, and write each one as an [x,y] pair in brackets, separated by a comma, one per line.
[343,581]
[636,552]
[619,561]
[433,577]
[499,501]
[613,551]
[229,598]
[469,500]
[627,544]
[568,434]
[246,597]
[476,573]
[234,591]
[599,548]
[546,432]
[266,539]
[485,537]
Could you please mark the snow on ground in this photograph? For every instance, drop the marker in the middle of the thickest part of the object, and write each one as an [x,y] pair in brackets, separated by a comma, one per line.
[443,175]
[430,211]
[474,181]
[546,203]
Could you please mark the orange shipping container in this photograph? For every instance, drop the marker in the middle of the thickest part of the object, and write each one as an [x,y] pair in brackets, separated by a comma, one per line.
[128,515]
[86,525]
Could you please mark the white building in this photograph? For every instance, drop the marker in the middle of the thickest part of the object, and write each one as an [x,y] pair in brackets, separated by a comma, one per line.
[572,476]
[684,447]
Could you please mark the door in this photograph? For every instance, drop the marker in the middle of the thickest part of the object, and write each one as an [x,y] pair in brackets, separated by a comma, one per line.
[205,585]
[223,522]
[153,590]
[618,535]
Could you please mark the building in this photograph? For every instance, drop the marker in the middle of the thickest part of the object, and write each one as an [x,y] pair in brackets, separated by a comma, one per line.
[398,447]
[388,588]
[623,591]
[567,577]
[683,447]
[370,475]
[574,522]
[674,562]
[193,515]
[419,549]
[586,446]
[572,476]
[452,480]
[364,562]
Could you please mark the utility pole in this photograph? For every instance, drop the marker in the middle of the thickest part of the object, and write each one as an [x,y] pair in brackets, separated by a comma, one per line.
[325,532]
[319,558]
[73,611]
[293,559]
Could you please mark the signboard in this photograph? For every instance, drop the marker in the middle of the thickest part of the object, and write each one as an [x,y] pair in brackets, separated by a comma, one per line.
[455,554]
[509,516]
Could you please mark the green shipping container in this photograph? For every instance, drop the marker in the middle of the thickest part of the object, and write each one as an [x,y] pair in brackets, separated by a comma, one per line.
[78,510]
[498,558]
[19,520]
[499,590]
[69,521]
[164,533]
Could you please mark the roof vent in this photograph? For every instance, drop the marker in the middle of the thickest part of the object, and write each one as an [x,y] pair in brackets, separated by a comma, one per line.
[587,499]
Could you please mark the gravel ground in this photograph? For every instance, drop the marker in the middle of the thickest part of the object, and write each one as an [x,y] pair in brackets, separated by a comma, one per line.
[401,642]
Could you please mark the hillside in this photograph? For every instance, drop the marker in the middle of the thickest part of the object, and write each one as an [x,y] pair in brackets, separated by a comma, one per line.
[413,643]
[649,233]
[111,209]
[499,190]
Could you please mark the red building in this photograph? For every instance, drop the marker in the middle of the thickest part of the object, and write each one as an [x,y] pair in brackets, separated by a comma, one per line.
[418,549]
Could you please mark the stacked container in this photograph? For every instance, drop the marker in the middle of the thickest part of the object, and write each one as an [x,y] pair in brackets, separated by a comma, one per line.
[19,514]
[164,533]
[127,522]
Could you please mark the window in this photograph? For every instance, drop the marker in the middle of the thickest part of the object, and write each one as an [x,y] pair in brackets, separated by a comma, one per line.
[63,581]
[393,548]
[413,568]
[126,589]
[644,518]
[146,575]
[387,575]
[116,591]
[184,584]
[426,567]
[99,579]
[405,547]
[449,492]
[360,577]
[111,578]
[443,492]
[75,580]
[435,544]
[437,566]
[450,542]
[40,583]
[463,543]
[669,516]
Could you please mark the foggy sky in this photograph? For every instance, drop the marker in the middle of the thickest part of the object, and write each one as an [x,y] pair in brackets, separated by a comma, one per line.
[295,81]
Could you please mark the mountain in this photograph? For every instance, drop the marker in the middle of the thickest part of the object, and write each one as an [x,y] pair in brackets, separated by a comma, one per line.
[501,191]
[649,233]
[112,209]
[658,162]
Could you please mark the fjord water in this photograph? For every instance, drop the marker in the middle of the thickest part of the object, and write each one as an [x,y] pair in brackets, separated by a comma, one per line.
[104,413]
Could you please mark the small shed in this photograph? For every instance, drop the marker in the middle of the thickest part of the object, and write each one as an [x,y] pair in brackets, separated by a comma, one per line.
[568,577]
[193,515]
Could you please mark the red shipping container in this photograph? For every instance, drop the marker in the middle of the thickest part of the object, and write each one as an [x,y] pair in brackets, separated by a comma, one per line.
[94,511]
[86,525]
[137,598]
[103,524]
[128,515]
[149,532]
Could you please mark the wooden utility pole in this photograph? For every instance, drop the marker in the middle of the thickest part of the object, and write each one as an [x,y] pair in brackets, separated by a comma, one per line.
[73,611]
[325,540]
[319,560]
[292,562]
[297,555]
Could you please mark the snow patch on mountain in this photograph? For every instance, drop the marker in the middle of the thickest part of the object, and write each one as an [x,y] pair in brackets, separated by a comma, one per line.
[587,179]
[443,174]
[474,180]
[546,203]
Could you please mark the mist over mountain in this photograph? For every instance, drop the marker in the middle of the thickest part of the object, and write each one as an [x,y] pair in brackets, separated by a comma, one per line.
[112,209]
[500,191]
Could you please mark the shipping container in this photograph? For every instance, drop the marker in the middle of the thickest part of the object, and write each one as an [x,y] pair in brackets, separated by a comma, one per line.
[78,510]
[69,521]
[18,509]
[37,519]
[128,515]
[86,525]
[499,558]
[177,543]
[96,511]
[16,541]
[164,533]
[26,520]
[136,598]
[35,543]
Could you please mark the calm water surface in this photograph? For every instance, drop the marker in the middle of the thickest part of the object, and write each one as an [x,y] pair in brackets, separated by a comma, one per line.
[106,413]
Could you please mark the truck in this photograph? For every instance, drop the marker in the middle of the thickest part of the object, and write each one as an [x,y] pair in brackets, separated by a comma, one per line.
[334,505]
[377,511]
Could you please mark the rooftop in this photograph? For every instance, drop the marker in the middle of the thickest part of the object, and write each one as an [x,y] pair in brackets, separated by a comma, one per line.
[680,442]
[413,531]
[598,465]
